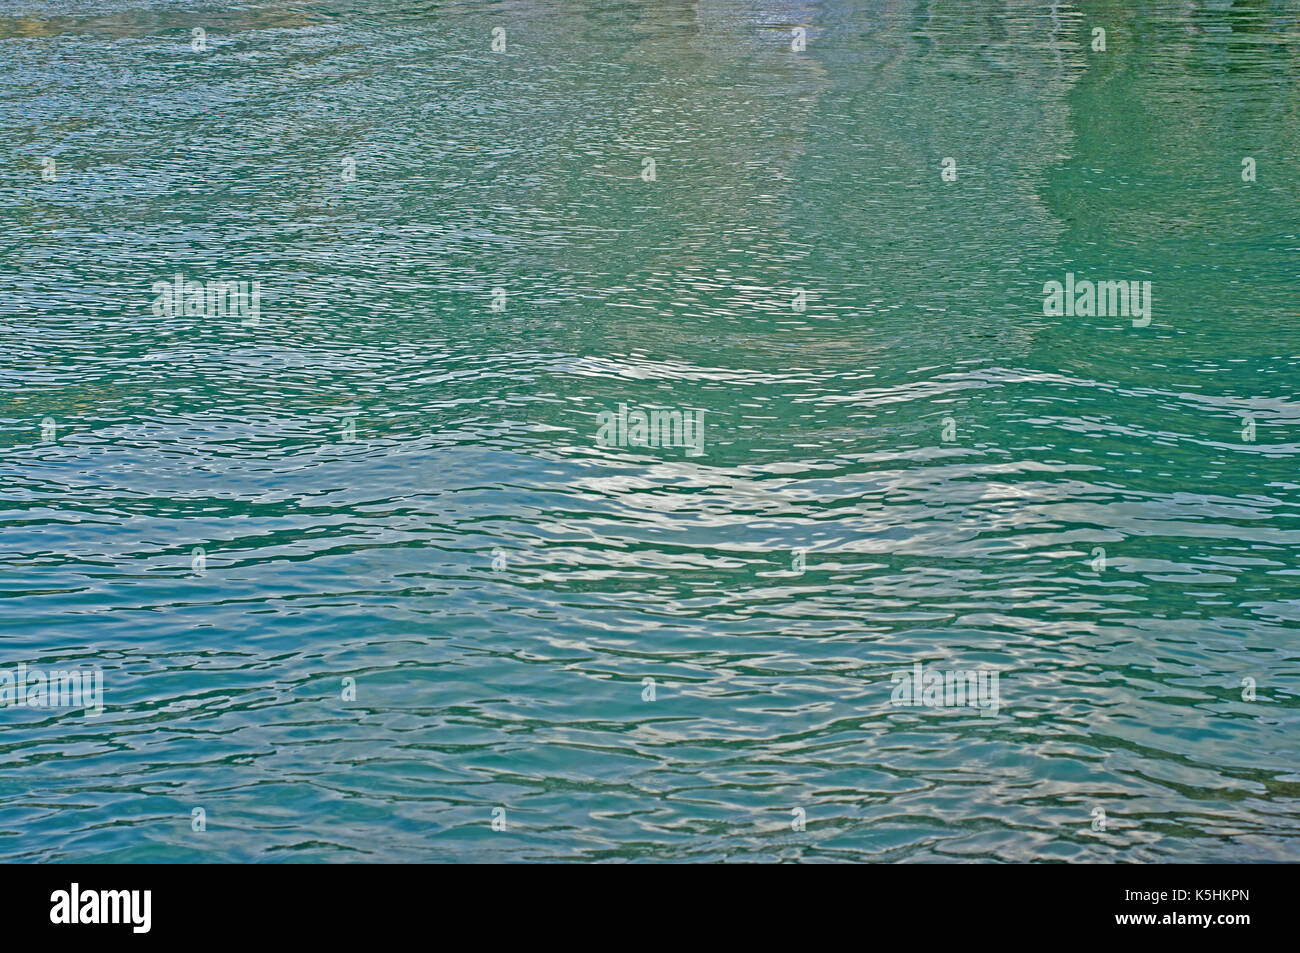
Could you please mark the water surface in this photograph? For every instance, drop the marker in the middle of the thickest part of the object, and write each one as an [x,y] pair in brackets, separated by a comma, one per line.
[329,556]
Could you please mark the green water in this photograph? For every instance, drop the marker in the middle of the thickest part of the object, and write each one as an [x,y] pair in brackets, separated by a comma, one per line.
[950,459]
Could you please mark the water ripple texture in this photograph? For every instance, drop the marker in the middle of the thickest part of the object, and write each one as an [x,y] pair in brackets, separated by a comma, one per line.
[570,431]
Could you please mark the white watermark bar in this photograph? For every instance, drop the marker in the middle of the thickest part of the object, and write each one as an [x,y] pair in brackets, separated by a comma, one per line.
[214,298]
[25,687]
[961,688]
[1103,299]
[660,428]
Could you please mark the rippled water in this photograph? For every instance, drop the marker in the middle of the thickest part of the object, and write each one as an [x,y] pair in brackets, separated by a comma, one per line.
[327,556]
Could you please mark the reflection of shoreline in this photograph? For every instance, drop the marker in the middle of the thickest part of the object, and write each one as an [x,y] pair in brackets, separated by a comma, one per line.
[144,23]
[727,148]
[770,43]
[1043,81]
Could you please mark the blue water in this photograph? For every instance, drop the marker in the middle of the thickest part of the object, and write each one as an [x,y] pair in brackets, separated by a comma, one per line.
[950,460]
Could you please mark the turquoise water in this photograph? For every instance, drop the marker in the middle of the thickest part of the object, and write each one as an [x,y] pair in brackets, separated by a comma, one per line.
[392,481]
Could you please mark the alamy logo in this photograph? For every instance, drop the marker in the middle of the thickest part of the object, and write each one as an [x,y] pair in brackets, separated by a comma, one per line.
[974,688]
[655,428]
[211,299]
[1103,299]
[36,688]
[102,906]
